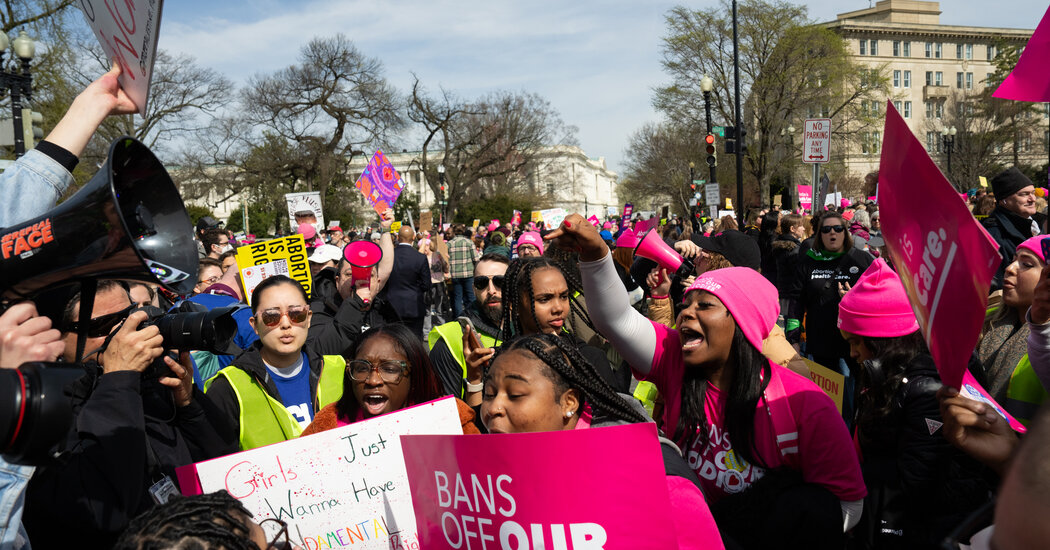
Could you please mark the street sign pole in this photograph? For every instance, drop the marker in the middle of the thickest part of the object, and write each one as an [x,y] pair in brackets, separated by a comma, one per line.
[816,150]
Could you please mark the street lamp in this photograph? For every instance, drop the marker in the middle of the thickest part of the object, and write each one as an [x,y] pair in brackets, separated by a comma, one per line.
[18,82]
[441,196]
[948,139]
[790,133]
[706,85]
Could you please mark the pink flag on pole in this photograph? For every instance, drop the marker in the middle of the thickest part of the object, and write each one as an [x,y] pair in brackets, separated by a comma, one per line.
[945,259]
[507,489]
[1030,81]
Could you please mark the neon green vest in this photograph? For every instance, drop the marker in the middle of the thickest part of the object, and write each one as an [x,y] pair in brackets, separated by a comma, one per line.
[1025,392]
[265,420]
[452,334]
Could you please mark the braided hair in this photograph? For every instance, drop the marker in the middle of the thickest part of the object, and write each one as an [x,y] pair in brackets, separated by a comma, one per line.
[567,368]
[213,520]
[517,285]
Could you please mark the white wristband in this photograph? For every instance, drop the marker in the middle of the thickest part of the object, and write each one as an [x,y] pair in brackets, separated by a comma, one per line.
[472,388]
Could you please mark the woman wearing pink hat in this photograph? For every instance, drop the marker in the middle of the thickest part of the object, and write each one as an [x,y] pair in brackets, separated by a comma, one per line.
[737,416]
[919,486]
[529,244]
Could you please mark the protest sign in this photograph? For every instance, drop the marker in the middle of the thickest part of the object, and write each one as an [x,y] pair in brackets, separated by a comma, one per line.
[333,223]
[642,226]
[336,488]
[395,227]
[516,218]
[475,225]
[284,256]
[973,390]
[552,217]
[128,34]
[536,216]
[1030,81]
[828,380]
[983,180]
[502,490]
[426,221]
[805,196]
[611,211]
[594,220]
[304,208]
[380,184]
[625,219]
[945,259]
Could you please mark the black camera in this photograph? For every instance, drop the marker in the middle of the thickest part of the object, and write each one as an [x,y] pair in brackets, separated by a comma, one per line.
[191,326]
[34,410]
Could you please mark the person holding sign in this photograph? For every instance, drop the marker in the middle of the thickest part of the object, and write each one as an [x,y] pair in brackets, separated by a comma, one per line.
[741,417]
[271,391]
[541,383]
[390,371]
[919,486]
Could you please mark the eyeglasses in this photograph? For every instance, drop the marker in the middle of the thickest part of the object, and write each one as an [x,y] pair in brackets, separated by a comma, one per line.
[210,280]
[296,314]
[829,228]
[103,324]
[524,247]
[390,371]
[482,281]
[280,540]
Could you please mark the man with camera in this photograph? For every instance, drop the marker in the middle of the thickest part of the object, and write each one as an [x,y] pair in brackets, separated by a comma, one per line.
[136,418]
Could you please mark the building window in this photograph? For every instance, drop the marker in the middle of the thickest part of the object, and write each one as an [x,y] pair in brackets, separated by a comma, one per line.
[550,189]
[896,79]
[958,80]
[938,78]
[933,142]
[969,81]
[896,48]
[898,105]
[1046,140]
[929,78]
[907,109]
[874,109]
[864,140]
[929,109]
[906,52]
[938,110]
[876,142]
[1026,144]
[991,52]
[907,79]
[938,50]
[929,49]
[874,47]
[969,51]
[959,51]
[863,47]
[1046,112]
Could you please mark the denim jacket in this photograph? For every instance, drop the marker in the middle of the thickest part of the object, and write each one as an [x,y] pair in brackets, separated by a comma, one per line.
[13,480]
[31,186]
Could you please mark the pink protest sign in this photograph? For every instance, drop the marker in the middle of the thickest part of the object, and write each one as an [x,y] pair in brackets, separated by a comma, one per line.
[380,183]
[644,225]
[1030,81]
[516,218]
[625,220]
[506,491]
[594,220]
[972,389]
[805,196]
[946,260]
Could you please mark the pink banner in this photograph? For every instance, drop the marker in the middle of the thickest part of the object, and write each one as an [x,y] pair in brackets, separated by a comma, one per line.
[554,490]
[805,196]
[625,220]
[1030,81]
[946,260]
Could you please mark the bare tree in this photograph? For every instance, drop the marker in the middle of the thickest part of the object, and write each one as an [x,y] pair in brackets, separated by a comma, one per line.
[657,166]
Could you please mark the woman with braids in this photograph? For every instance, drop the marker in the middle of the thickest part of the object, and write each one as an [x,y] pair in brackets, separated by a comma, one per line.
[771,450]
[541,383]
[919,486]
[390,369]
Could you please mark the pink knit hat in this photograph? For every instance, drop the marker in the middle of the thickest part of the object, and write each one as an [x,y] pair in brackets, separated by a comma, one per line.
[750,298]
[627,239]
[533,238]
[877,305]
[1035,246]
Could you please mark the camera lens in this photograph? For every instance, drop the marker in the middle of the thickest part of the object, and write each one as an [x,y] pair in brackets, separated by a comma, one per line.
[35,412]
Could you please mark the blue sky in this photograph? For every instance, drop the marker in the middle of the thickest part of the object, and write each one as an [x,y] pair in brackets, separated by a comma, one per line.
[596,61]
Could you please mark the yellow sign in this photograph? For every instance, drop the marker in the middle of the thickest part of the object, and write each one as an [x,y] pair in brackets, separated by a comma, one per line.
[395,227]
[830,381]
[729,203]
[476,224]
[984,181]
[537,216]
[284,256]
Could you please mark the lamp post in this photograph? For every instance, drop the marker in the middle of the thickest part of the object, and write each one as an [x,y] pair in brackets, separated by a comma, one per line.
[441,195]
[790,133]
[706,85]
[18,80]
[948,139]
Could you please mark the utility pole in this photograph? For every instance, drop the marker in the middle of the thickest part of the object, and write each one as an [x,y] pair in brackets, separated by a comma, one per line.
[739,127]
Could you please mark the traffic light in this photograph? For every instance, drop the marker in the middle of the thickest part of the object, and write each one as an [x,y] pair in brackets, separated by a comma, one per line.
[709,139]
[730,140]
[31,127]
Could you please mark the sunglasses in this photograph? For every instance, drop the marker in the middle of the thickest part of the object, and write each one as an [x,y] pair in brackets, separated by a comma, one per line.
[210,280]
[829,228]
[103,324]
[482,281]
[390,371]
[296,314]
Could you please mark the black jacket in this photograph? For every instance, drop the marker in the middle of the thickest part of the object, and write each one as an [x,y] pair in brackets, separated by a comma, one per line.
[448,369]
[336,323]
[1008,230]
[785,256]
[917,482]
[814,292]
[409,282]
[127,434]
[221,394]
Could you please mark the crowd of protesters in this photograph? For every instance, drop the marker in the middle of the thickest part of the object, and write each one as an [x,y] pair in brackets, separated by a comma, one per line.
[533,328]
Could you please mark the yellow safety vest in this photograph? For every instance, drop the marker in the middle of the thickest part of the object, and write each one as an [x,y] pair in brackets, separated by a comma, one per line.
[1025,392]
[264,420]
[452,334]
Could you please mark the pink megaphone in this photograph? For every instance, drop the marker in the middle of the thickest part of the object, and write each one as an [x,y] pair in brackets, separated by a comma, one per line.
[362,257]
[655,249]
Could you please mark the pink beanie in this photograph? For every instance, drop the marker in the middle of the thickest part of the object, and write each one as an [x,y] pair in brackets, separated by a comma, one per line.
[877,305]
[750,298]
[1035,246]
[607,225]
[308,231]
[627,239]
[533,238]
[844,203]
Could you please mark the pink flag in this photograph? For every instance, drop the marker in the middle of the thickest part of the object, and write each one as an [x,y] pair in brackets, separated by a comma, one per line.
[510,490]
[1030,81]
[946,260]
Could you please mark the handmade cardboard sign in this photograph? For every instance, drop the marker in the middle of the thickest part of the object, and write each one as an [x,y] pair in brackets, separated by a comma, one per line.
[552,217]
[380,184]
[500,491]
[426,221]
[128,34]
[341,487]
[284,256]
[1030,81]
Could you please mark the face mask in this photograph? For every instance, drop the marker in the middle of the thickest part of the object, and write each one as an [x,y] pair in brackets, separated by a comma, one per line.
[227,248]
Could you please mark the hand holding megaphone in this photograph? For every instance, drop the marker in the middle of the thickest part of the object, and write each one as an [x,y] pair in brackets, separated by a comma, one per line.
[576,233]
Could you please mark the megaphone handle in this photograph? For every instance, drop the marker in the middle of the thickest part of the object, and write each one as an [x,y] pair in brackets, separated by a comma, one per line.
[686,269]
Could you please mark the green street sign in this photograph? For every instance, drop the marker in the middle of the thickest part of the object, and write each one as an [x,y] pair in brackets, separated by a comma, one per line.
[699,182]
[720,130]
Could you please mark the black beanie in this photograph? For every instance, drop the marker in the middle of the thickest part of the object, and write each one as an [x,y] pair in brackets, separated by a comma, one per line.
[1008,182]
